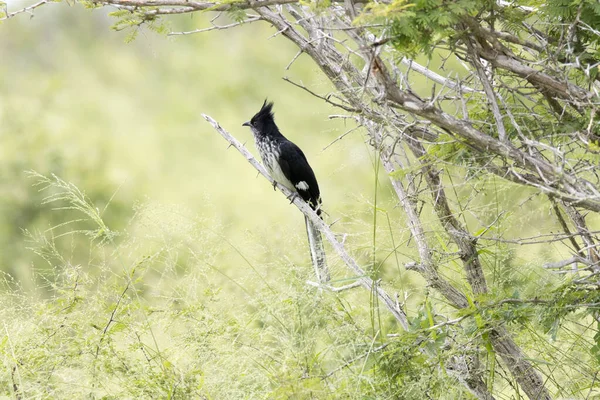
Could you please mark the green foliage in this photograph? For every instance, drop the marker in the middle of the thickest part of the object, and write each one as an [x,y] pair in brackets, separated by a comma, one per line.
[150,321]
[568,299]
[415,27]
[236,14]
[105,326]
[447,148]
[74,200]
[131,21]
[410,370]
[586,45]
[142,322]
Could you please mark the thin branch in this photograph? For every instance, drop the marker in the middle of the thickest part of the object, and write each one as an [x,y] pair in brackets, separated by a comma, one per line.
[508,37]
[437,78]
[326,98]
[333,288]
[489,91]
[581,226]
[355,359]
[28,9]
[217,27]
[343,135]
[298,54]
[363,279]
[564,225]
[194,5]
[200,6]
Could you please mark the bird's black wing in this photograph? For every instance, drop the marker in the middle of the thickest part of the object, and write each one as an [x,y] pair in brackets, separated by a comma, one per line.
[295,167]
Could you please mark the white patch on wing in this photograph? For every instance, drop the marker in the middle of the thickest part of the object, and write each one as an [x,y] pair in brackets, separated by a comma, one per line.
[302,185]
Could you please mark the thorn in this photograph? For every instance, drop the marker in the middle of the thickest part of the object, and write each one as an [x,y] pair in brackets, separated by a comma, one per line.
[344,239]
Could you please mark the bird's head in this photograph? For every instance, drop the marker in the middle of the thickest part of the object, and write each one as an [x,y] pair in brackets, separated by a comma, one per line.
[263,122]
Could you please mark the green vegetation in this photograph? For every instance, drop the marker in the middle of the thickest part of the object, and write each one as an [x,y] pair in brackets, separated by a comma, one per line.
[142,258]
[202,262]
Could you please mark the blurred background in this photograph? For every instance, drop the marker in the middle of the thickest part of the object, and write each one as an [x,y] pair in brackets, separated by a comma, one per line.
[122,121]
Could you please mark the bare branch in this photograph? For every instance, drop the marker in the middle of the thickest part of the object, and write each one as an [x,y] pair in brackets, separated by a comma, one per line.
[217,27]
[195,5]
[363,279]
[489,91]
[326,98]
[28,9]
[333,288]
[437,77]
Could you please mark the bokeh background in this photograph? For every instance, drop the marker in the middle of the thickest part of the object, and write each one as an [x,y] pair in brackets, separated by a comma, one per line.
[122,121]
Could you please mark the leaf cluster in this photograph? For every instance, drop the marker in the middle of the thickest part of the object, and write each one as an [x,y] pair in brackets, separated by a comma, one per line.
[131,21]
[577,21]
[416,27]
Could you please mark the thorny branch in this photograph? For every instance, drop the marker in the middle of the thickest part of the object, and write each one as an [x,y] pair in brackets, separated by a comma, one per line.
[515,360]
[471,379]
[362,276]
[525,165]
[29,10]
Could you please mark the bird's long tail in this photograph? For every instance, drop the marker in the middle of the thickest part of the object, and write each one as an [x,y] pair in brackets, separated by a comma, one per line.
[317,252]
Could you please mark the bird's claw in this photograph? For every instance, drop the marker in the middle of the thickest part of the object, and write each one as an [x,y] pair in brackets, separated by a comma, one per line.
[274,185]
[292,197]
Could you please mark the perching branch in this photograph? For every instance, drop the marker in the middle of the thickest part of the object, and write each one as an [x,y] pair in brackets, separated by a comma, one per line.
[362,276]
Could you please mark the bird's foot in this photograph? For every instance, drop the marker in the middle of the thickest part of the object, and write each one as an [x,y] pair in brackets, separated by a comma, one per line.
[292,197]
[274,185]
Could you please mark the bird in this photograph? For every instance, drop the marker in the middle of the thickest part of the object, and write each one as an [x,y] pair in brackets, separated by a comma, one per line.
[288,166]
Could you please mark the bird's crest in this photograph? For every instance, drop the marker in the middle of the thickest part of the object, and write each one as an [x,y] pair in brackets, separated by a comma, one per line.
[265,113]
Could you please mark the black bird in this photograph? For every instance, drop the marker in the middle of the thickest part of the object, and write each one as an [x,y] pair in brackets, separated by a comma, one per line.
[284,161]
[288,166]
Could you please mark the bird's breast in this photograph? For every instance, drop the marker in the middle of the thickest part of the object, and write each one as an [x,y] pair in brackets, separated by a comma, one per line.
[269,152]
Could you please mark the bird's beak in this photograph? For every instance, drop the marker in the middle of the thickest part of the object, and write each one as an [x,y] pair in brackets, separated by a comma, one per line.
[246,124]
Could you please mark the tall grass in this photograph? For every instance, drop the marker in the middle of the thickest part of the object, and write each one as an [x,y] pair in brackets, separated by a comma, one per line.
[151,314]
